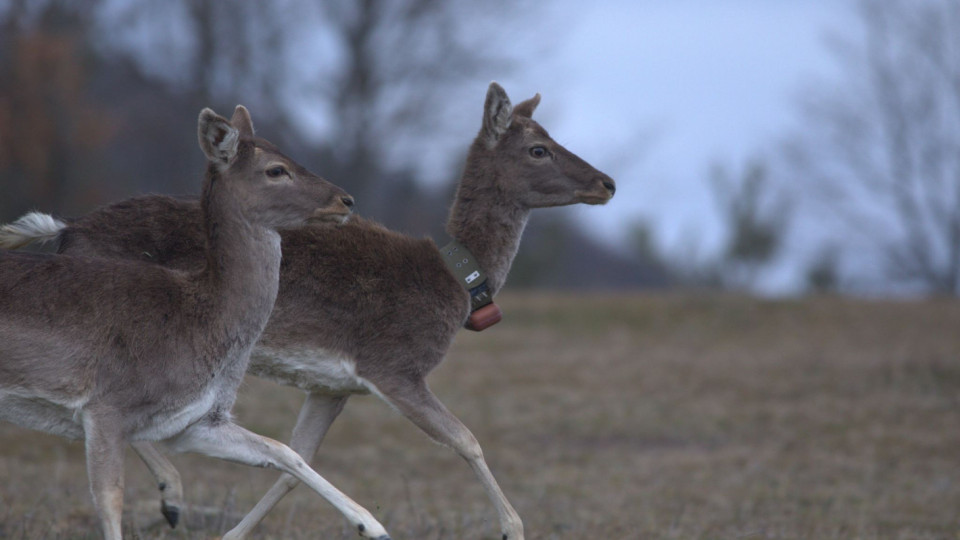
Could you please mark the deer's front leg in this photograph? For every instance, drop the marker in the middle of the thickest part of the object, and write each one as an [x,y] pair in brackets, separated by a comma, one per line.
[316,415]
[168,480]
[233,443]
[105,446]
[415,400]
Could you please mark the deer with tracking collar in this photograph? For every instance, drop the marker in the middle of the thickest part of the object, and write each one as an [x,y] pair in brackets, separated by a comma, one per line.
[342,324]
[117,351]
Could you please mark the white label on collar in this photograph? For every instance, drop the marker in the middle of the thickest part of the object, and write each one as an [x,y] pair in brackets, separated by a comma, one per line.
[472,277]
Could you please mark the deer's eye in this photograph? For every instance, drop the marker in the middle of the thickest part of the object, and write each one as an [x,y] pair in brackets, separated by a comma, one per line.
[539,152]
[277,171]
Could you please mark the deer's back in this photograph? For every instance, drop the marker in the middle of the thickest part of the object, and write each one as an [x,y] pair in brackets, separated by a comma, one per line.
[153,228]
[378,297]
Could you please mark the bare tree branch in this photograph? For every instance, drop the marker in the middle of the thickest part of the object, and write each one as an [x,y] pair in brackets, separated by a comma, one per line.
[883,147]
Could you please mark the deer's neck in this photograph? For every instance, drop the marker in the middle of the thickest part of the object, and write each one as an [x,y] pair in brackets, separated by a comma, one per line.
[243,267]
[489,225]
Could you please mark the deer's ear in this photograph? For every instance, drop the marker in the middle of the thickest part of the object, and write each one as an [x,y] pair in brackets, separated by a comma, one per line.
[218,138]
[241,120]
[497,113]
[526,108]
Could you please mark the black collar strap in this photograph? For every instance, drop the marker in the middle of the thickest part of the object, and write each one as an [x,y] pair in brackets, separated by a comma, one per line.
[483,312]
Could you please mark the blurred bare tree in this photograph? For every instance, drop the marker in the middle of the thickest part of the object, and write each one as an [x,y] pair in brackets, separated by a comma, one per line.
[379,72]
[882,147]
[756,218]
[382,75]
[51,130]
[822,274]
[98,100]
[754,214]
[401,60]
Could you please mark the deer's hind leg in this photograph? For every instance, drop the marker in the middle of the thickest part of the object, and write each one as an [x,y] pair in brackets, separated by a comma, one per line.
[226,440]
[415,401]
[105,446]
[316,415]
[168,480]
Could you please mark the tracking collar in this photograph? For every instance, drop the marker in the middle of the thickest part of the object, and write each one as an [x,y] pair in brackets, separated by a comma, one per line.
[483,312]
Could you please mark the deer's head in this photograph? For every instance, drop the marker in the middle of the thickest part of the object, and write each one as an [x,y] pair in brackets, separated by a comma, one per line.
[270,188]
[532,168]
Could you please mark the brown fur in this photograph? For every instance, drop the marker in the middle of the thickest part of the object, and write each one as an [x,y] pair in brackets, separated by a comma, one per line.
[382,299]
[117,351]
[381,288]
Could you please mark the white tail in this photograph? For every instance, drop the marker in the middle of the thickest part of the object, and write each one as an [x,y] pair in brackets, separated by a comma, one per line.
[32,227]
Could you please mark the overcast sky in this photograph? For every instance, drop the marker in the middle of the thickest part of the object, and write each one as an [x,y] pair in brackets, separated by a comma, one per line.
[654,92]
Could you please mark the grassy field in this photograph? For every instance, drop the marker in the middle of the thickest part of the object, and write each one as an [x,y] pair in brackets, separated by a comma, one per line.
[603,417]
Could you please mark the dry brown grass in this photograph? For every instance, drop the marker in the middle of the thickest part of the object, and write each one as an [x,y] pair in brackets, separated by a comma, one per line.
[605,417]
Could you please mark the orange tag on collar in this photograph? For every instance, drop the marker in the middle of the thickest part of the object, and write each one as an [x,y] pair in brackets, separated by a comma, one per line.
[484,318]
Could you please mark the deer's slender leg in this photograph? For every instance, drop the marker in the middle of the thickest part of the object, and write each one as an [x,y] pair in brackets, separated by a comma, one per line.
[105,446]
[233,443]
[168,480]
[415,401]
[316,415]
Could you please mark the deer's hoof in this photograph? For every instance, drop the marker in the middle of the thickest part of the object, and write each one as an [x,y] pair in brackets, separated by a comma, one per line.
[363,532]
[171,513]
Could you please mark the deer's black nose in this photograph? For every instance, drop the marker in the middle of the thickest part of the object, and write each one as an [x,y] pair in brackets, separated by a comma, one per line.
[611,187]
[347,201]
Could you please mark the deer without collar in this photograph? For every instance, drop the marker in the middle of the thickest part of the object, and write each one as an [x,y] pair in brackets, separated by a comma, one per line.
[362,309]
[117,351]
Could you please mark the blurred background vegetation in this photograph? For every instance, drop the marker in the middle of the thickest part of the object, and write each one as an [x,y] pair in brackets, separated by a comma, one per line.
[98,100]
